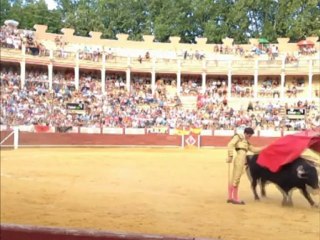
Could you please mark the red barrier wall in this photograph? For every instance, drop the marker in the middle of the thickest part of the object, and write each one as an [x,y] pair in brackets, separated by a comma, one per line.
[85,139]
[219,141]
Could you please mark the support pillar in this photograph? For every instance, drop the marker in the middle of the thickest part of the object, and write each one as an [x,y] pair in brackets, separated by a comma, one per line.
[310,75]
[76,77]
[203,86]
[255,80]
[153,81]
[103,73]
[128,79]
[179,78]
[229,83]
[282,82]
[103,79]
[76,72]
[50,75]
[51,54]
[23,50]
[22,74]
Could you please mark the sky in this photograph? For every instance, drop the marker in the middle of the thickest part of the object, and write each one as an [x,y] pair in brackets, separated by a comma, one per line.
[51,4]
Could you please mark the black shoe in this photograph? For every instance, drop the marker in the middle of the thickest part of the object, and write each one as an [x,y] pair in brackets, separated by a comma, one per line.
[235,202]
[238,202]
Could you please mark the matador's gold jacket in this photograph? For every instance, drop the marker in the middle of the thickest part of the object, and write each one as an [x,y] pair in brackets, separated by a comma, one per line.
[240,144]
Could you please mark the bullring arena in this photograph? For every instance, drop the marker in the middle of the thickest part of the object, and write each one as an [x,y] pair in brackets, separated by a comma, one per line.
[142,193]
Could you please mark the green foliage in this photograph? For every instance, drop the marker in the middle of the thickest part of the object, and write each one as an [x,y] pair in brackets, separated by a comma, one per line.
[188,19]
[4,10]
[28,13]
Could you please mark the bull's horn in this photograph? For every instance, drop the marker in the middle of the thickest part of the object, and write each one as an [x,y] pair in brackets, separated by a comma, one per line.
[301,172]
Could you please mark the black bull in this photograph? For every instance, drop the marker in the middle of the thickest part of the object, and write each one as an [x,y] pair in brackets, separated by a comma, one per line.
[298,174]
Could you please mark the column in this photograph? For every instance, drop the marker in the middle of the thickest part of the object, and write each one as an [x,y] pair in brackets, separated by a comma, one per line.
[76,71]
[153,80]
[204,65]
[23,49]
[282,90]
[310,75]
[129,62]
[103,59]
[229,83]
[103,73]
[204,76]
[179,77]
[153,75]
[283,78]
[229,78]
[22,74]
[283,63]
[255,79]
[51,54]
[310,95]
[128,78]
[76,76]
[103,79]
[50,75]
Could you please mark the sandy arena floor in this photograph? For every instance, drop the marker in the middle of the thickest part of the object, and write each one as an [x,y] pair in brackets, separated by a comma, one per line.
[157,191]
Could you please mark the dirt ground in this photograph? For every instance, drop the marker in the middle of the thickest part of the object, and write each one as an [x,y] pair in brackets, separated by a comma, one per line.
[169,191]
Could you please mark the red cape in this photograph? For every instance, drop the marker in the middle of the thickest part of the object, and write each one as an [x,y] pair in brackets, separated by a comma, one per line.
[286,149]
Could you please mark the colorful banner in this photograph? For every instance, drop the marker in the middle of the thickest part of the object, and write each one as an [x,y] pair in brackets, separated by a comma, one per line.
[181,132]
[196,131]
[77,108]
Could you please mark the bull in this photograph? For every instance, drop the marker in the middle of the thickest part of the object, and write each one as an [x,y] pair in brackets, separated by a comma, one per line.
[298,174]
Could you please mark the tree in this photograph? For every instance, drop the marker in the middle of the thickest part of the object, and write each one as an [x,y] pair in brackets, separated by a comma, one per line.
[4,10]
[188,19]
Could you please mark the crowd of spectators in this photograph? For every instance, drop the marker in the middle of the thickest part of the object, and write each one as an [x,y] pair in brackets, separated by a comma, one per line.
[14,38]
[35,104]
[242,87]
[139,107]
[307,50]
[290,58]
[270,87]
[11,37]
